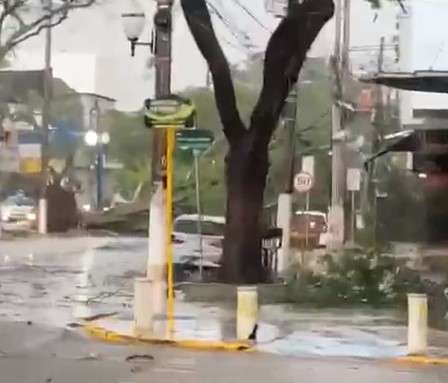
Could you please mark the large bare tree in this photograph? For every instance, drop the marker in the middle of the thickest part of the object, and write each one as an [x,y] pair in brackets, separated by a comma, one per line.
[23,19]
[247,161]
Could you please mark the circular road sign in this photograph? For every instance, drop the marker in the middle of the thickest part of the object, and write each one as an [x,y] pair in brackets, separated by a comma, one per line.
[303,182]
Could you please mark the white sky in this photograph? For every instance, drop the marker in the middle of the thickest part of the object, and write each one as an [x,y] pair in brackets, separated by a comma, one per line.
[91,45]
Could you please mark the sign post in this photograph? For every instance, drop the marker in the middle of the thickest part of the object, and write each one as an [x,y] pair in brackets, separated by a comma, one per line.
[303,183]
[170,113]
[197,140]
[353,186]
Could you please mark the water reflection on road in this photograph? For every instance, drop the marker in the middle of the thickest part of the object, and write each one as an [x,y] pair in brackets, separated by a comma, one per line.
[56,286]
[70,280]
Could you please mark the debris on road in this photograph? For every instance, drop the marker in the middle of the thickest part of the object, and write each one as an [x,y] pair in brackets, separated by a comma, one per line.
[92,318]
[137,357]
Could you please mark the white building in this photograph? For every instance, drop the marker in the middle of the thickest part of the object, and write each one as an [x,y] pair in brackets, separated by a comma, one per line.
[423,40]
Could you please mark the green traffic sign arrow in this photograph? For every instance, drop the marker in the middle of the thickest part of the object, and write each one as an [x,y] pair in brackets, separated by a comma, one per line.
[197,139]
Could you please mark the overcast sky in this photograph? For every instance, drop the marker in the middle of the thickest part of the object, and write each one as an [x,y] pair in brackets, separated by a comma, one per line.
[97,32]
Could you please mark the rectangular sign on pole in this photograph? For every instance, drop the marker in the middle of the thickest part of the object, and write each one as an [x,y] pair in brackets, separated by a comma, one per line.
[30,158]
[308,165]
[353,179]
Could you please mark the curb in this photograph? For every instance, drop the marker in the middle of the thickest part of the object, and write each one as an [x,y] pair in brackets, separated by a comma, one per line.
[100,333]
[422,360]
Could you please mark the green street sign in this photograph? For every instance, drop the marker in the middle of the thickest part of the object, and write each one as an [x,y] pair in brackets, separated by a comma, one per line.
[194,139]
[170,112]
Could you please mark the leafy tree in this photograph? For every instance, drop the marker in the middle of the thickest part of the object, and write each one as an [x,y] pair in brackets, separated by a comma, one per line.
[247,160]
[23,19]
[130,144]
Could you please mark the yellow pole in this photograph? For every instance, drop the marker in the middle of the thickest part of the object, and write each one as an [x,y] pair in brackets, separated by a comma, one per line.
[417,324]
[170,145]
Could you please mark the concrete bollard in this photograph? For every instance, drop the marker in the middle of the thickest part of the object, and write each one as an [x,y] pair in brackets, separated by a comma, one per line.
[142,305]
[417,324]
[247,311]
[42,216]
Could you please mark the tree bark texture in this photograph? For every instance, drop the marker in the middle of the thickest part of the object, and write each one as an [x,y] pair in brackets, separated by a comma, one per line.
[247,162]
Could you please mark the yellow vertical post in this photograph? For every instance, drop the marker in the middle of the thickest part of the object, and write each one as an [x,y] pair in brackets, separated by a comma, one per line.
[170,145]
[247,311]
[417,324]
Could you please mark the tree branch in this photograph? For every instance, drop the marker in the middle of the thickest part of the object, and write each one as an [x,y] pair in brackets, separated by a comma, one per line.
[37,31]
[26,31]
[201,27]
[285,55]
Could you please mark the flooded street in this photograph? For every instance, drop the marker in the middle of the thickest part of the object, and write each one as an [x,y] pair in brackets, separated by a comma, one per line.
[75,279]
[70,280]
[45,288]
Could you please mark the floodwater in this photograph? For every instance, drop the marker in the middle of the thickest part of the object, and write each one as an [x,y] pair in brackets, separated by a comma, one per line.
[65,281]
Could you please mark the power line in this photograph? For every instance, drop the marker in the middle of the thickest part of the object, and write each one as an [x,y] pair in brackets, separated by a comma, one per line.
[251,15]
[230,27]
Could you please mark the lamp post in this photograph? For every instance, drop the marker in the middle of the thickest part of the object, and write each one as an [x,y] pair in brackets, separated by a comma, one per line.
[96,136]
[133,23]
[98,141]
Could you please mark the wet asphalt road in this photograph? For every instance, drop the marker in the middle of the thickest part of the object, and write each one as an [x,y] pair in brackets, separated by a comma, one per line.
[36,354]
[44,285]
[57,282]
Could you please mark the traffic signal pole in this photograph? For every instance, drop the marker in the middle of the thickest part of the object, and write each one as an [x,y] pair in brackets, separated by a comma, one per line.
[157,262]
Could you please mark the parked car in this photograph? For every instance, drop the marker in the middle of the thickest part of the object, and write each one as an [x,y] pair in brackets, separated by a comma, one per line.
[317,229]
[186,239]
[18,208]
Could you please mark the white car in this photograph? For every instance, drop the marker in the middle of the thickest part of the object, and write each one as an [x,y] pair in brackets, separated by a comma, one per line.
[18,208]
[317,225]
[186,239]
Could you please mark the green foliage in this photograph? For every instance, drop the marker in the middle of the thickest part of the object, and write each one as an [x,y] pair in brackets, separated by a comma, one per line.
[130,142]
[353,277]
[131,145]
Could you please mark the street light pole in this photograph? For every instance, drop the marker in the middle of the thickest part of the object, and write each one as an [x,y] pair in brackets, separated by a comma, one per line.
[95,126]
[157,263]
[43,203]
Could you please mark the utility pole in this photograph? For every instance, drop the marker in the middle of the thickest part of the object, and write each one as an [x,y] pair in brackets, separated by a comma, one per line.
[340,63]
[378,133]
[196,154]
[284,206]
[95,125]
[48,79]
[157,264]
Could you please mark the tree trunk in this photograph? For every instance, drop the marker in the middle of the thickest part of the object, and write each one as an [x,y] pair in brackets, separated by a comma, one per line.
[247,160]
[246,172]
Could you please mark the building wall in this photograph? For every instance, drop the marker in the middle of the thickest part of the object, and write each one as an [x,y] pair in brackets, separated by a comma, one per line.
[423,46]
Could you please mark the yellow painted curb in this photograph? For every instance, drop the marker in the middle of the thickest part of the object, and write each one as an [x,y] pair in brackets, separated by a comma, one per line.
[104,335]
[423,360]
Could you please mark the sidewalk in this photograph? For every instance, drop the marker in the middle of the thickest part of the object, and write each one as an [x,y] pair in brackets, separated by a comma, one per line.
[282,331]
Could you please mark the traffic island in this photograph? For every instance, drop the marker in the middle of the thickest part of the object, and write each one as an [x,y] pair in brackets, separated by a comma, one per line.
[117,331]
[422,360]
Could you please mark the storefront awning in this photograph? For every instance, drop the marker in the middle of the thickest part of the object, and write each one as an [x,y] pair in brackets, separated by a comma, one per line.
[419,81]
[430,141]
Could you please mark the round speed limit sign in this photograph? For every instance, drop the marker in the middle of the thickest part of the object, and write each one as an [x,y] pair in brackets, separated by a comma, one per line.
[303,182]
